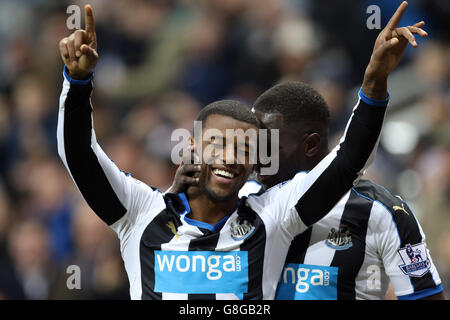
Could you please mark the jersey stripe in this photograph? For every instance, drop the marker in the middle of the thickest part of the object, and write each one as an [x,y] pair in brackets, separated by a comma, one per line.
[407,226]
[410,234]
[255,245]
[433,270]
[354,219]
[299,246]
[152,238]
[320,232]
[206,243]
[86,170]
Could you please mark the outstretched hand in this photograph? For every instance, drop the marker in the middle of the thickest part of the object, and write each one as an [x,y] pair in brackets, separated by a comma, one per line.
[389,48]
[79,50]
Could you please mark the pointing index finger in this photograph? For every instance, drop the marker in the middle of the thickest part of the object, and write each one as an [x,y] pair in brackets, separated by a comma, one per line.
[90,22]
[393,22]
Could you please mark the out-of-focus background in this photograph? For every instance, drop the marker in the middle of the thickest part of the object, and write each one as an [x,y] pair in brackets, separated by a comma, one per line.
[160,62]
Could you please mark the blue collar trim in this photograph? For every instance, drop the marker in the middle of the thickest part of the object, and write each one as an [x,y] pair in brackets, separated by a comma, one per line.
[213,228]
[185,202]
[197,223]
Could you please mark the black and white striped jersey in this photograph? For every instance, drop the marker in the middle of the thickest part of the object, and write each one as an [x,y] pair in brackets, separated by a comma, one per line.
[166,254]
[370,238]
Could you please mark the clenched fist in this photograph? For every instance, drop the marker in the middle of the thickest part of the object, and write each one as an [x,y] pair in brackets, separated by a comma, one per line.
[79,50]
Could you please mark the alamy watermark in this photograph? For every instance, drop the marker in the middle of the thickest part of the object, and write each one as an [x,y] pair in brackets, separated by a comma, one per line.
[374,278]
[374,20]
[235,146]
[74,20]
[74,278]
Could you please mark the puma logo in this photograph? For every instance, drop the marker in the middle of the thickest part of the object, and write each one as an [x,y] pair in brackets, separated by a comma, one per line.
[402,208]
[172,228]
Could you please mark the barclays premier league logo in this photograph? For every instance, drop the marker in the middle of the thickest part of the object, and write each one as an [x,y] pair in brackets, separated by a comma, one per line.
[415,259]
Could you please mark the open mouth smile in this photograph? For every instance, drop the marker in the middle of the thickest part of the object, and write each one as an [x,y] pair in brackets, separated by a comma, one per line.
[224,175]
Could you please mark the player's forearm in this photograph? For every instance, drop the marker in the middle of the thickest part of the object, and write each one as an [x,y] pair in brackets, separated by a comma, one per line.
[74,114]
[360,139]
[374,86]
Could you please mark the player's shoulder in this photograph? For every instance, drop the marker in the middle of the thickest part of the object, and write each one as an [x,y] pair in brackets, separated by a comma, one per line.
[282,186]
[276,191]
[251,187]
[377,193]
[266,197]
[388,207]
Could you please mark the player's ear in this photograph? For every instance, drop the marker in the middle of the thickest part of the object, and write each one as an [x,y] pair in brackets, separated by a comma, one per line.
[311,144]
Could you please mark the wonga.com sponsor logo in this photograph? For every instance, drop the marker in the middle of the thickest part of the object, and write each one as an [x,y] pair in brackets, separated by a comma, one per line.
[307,282]
[201,272]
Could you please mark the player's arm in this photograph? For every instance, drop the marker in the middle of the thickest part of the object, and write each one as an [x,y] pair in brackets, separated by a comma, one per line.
[413,274]
[310,196]
[109,192]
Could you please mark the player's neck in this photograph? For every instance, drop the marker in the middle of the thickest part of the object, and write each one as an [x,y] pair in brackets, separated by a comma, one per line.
[206,210]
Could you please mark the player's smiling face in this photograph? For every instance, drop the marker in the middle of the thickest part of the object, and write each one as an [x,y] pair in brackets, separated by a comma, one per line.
[222,175]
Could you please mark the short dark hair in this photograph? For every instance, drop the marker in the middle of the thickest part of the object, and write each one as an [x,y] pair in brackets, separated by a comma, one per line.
[231,108]
[300,104]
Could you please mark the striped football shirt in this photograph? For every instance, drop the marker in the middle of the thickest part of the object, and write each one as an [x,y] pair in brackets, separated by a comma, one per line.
[166,254]
[368,240]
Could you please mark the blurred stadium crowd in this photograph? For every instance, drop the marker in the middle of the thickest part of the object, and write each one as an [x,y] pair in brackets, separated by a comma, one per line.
[160,62]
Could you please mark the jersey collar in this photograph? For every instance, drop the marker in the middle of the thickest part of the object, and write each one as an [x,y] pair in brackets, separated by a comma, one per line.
[200,224]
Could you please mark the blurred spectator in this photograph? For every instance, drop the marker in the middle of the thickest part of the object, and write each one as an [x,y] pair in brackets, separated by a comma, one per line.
[51,203]
[98,257]
[31,274]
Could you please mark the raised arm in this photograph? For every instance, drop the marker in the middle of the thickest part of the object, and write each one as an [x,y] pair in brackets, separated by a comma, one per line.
[110,193]
[310,196]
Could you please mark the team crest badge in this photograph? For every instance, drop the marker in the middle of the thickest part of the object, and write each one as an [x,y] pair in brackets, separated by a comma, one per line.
[339,239]
[241,229]
[415,259]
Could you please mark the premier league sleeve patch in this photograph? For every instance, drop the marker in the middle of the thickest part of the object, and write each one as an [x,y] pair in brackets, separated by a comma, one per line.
[415,260]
